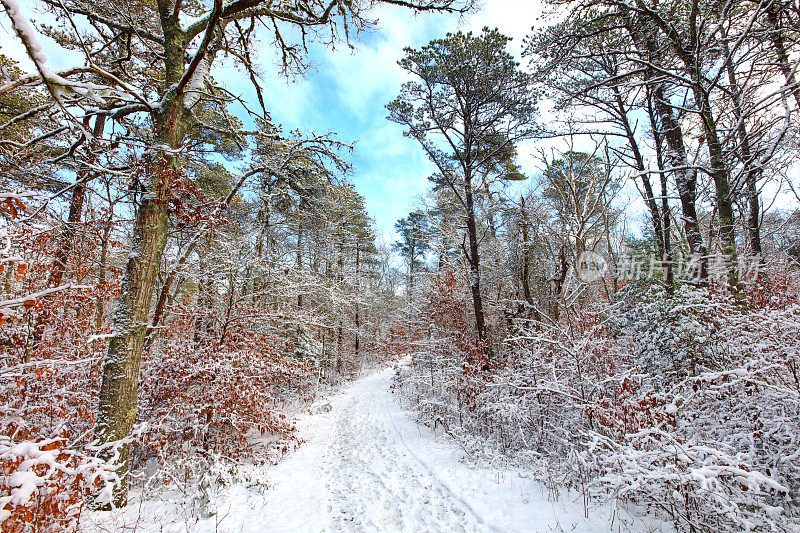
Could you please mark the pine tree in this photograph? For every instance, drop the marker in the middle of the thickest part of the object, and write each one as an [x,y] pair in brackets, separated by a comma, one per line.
[467,107]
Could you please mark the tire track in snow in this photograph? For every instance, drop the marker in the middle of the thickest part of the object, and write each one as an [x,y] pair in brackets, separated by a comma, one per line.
[433,475]
[377,482]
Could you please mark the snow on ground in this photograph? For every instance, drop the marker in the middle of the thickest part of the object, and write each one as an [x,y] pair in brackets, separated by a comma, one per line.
[366,466]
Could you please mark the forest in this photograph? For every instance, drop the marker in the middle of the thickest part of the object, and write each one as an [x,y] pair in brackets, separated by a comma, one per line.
[599,288]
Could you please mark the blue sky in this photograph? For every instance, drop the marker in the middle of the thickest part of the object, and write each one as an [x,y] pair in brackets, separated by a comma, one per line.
[345,91]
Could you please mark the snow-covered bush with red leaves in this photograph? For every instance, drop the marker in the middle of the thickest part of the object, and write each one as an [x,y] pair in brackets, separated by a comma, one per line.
[48,374]
[218,395]
[686,404]
[446,357]
[719,449]
[206,401]
[44,484]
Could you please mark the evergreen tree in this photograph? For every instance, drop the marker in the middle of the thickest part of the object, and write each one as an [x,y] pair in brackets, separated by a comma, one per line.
[467,107]
[414,242]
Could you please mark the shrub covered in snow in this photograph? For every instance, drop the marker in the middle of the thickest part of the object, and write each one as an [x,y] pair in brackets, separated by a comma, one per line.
[688,404]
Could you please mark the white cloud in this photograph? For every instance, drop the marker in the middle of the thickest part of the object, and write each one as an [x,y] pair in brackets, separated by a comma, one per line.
[57,57]
[513,17]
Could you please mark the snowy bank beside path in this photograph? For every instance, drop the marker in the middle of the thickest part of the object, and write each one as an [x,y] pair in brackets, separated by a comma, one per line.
[366,466]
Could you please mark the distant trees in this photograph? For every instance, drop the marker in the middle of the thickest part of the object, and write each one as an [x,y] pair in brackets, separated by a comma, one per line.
[414,242]
[703,75]
[580,189]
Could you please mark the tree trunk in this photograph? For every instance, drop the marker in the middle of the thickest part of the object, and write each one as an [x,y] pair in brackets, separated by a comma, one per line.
[526,285]
[778,43]
[357,319]
[228,308]
[205,304]
[652,205]
[719,171]
[66,241]
[753,171]
[339,328]
[674,154]
[165,295]
[719,174]
[101,268]
[558,284]
[669,273]
[299,261]
[685,180]
[117,398]
[474,260]
[411,263]
[666,246]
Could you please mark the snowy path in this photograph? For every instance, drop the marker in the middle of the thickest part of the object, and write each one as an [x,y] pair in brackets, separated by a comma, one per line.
[358,471]
[366,466]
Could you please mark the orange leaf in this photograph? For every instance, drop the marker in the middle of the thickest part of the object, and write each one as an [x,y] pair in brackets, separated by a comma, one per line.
[11,207]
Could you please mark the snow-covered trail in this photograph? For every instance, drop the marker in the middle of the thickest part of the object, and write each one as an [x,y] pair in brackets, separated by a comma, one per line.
[366,466]
[360,469]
